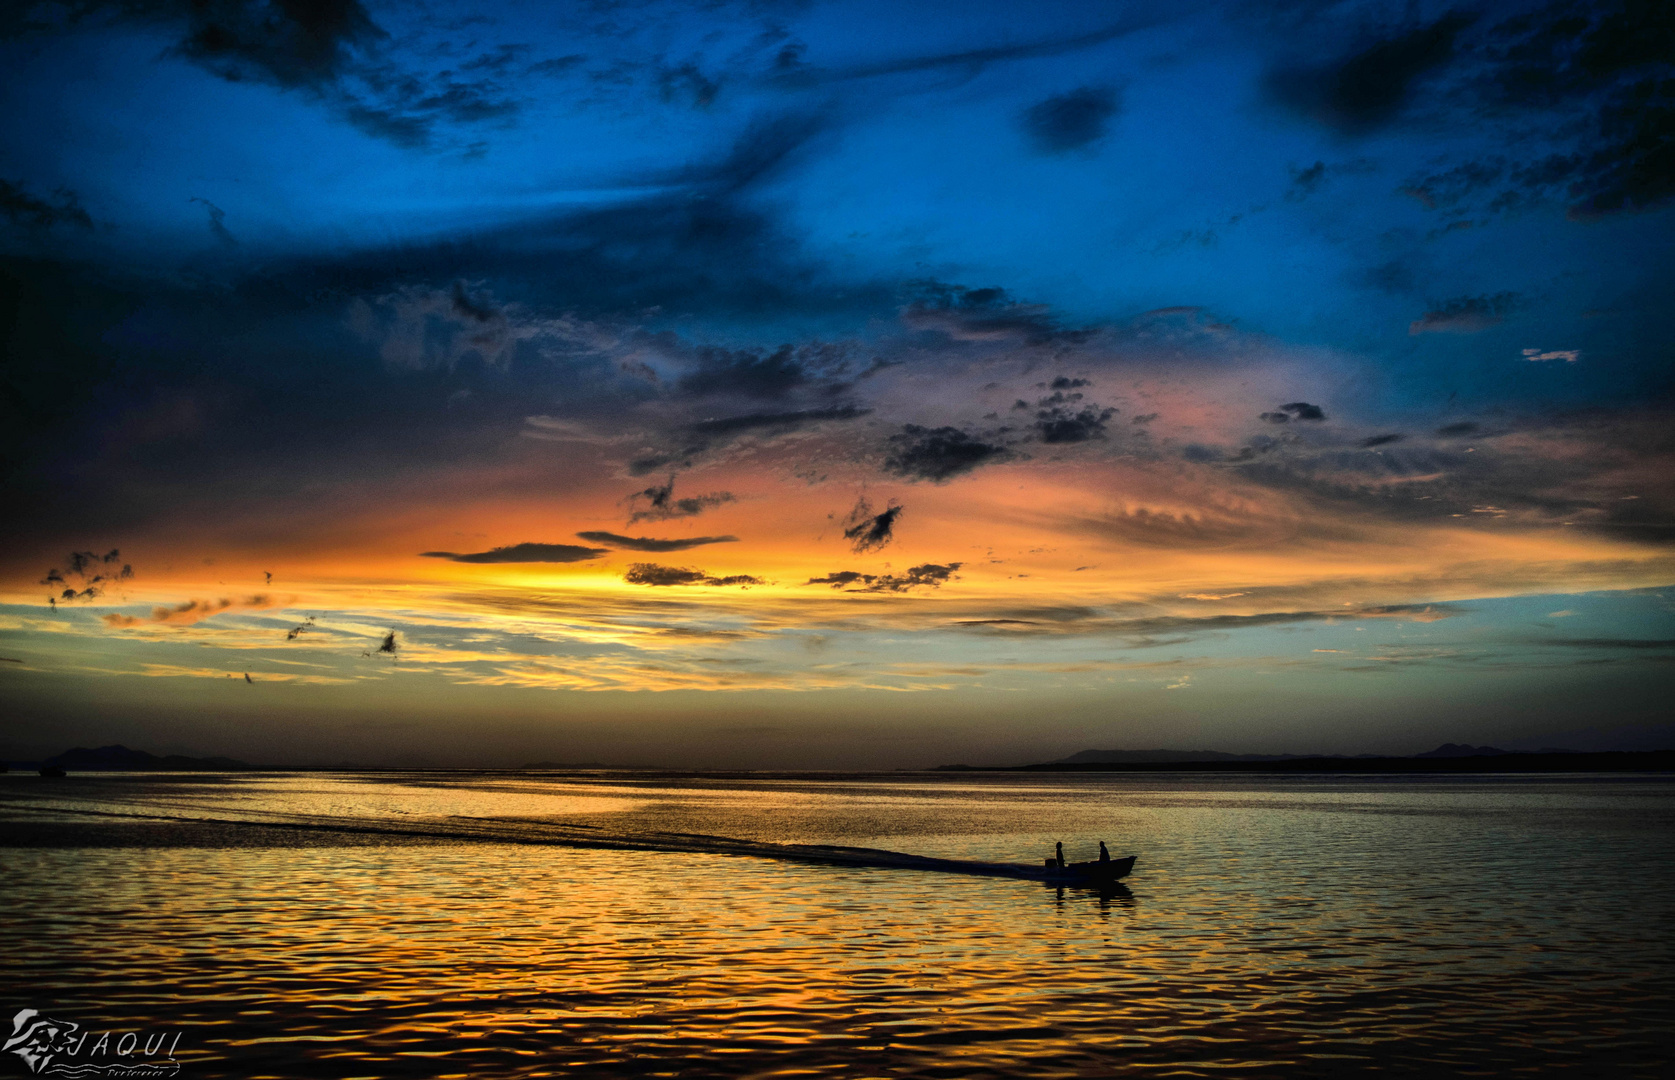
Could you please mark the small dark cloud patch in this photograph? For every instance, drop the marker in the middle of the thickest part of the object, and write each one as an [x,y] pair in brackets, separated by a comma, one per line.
[467,305]
[646,573]
[388,645]
[1370,88]
[293,43]
[523,553]
[925,575]
[1143,418]
[868,531]
[687,81]
[1064,382]
[984,314]
[661,505]
[1455,430]
[646,543]
[1305,182]
[1060,424]
[939,454]
[1467,314]
[748,372]
[89,570]
[1296,410]
[22,208]
[778,421]
[1070,121]
[1382,440]
[217,223]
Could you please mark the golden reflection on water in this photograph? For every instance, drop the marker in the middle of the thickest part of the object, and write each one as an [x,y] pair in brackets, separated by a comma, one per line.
[1273,928]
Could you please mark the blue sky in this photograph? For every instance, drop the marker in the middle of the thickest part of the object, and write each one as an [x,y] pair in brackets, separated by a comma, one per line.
[262,258]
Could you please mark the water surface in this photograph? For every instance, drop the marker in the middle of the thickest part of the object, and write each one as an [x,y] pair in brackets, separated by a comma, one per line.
[424,924]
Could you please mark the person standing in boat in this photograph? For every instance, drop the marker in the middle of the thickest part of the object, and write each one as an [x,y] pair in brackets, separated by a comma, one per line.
[1058,854]
[1104,856]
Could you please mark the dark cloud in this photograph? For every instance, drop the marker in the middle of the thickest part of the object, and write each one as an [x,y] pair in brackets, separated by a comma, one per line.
[686,80]
[778,421]
[1305,182]
[925,575]
[92,571]
[986,314]
[867,531]
[1296,410]
[477,308]
[938,454]
[22,208]
[661,504]
[1070,121]
[646,573]
[218,223]
[748,372]
[1598,74]
[290,42]
[331,50]
[388,645]
[1059,424]
[1454,430]
[523,553]
[1368,89]
[1064,382]
[706,435]
[646,543]
[1382,440]
[792,73]
[1467,314]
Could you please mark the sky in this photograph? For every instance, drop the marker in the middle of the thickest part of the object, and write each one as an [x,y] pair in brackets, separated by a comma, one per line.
[834,385]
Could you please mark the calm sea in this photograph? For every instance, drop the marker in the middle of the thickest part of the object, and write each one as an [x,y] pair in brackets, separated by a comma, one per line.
[414,925]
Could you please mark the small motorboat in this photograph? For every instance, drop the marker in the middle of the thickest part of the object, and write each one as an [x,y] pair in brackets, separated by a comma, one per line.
[1107,872]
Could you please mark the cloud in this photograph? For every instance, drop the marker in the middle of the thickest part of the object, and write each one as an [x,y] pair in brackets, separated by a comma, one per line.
[1305,182]
[1536,356]
[979,315]
[1369,88]
[1382,440]
[938,454]
[1467,314]
[22,208]
[1059,425]
[748,372]
[523,553]
[925,575]
[644,543]
[867,531]
[794,74]
[1070,121]
[1296,410]
[778,421]
[646,573]
[661,505]
[190,611]
[217,222]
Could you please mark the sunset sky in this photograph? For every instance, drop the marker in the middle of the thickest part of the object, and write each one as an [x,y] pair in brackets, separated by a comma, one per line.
[835,385]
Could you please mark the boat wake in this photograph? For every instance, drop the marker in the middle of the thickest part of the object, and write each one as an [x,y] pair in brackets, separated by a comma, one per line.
[462,828]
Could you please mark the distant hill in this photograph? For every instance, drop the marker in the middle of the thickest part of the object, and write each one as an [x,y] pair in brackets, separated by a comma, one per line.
[118,758]
[1449,757]
[1449,749]
[1137,757]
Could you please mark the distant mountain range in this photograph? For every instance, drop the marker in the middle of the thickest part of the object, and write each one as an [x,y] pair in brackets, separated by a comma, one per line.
[118,758]
[1447,758]
[1160,757]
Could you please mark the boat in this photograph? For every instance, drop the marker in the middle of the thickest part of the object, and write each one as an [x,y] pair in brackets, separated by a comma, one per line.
[1088,873]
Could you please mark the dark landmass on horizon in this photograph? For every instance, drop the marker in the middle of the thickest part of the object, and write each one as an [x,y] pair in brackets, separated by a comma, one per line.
[118,758]
[1447,758]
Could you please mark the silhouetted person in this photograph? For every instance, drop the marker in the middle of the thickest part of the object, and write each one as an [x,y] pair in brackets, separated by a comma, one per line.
[1104,856]
[1058,854]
